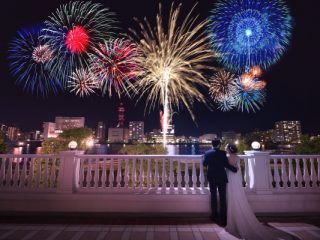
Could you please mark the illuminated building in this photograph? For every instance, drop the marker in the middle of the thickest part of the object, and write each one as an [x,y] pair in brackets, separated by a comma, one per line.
[63,123]
[136,131]
[207,138]
[116,135]
[49,130]
[230,136]
[13,133]
[288,132]
[101,132]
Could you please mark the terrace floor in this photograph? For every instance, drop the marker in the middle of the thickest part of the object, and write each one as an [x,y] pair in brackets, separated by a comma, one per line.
[145,228]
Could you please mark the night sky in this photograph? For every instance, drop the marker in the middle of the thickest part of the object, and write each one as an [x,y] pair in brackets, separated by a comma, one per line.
[293,83]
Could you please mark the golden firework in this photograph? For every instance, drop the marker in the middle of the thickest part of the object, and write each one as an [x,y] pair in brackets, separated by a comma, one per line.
[173,60]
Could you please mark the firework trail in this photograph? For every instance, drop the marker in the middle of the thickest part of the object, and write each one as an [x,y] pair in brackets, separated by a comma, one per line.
[29,57]
[113,62]
[250,32]
[73,31]
[172,61]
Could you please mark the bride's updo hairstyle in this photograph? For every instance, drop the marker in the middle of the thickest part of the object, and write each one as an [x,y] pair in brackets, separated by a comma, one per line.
[232,148]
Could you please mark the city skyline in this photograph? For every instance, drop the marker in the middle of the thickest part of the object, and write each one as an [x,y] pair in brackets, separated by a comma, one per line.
[292,89]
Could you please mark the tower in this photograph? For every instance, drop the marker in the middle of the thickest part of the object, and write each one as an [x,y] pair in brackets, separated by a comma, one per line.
[121,118]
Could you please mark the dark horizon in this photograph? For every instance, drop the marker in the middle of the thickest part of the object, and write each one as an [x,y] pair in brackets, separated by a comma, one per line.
[292,82]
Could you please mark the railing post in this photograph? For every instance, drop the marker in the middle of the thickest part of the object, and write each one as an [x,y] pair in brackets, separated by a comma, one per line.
[68,178]
[258,165]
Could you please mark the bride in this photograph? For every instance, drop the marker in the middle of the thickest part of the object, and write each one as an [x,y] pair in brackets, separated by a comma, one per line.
[241,221]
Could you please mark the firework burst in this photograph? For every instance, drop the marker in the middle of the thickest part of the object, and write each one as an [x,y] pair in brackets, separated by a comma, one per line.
[114,64]
[250,32]
[29,57]
[83,82]
[73,31]
[222,86]
[172,61]
[249,99]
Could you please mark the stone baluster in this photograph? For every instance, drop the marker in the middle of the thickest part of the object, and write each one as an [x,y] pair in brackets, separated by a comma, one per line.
[104,174]
[141,174]
[276,173]
[2,171]
[313,175]
[53,173]
[291,173]
[9,173]
[171,175]
[134,174]
[23,177]
[186,175]
[284,176]
[156,175]
[16,173]
[149,174]
[126,174]
[246,173]
[194,175]
[82,170]
[119,175]
[38,175]
[31,173]
[179,176]
[298,173]
[318,163]
[306,176]
[89,173]
[111,174]
[96,172]
[201,175]
[164,176]
[45,174]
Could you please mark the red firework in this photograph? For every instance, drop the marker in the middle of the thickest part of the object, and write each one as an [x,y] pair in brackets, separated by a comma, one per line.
[77,39]
[114,63]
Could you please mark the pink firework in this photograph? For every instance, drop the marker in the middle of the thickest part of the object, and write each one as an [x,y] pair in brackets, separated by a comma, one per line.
[114,65]
[42,54]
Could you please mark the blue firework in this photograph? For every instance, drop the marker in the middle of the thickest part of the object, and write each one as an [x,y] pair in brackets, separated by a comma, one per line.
[249,99]
[246,33]
[29,57]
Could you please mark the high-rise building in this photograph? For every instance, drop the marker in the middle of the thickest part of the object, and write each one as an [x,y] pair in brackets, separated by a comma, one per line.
[34,135]
[116,135]
[63,123]
[136,131]
[13,133]
[288,132]
[49,130]
[230,136]
[101,132]
[121,118]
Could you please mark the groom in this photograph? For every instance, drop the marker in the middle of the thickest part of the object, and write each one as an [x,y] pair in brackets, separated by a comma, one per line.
[217,161]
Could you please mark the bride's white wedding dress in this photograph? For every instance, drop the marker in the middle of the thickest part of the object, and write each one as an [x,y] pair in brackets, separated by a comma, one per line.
[241,221]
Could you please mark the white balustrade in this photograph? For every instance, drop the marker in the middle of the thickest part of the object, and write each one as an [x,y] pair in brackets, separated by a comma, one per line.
[154,173]
[28,171]
[301,173]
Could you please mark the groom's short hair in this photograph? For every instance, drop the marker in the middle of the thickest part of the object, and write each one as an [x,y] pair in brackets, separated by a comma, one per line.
[216,142]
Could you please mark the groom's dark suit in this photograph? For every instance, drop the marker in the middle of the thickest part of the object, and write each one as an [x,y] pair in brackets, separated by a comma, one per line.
[217,161]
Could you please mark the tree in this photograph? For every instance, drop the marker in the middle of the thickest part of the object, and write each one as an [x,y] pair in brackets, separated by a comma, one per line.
[143,149]
[3,146]
[59,144]
[308,145]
